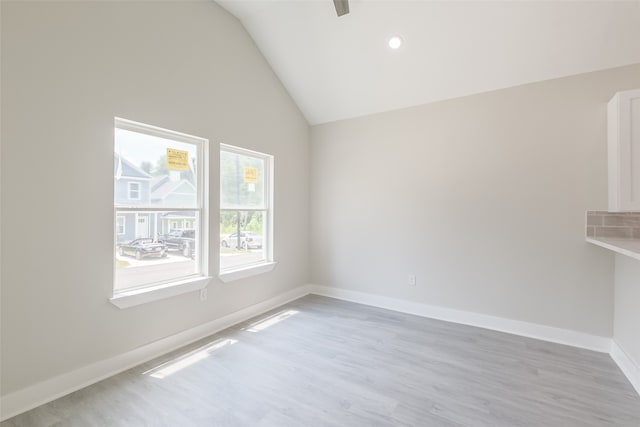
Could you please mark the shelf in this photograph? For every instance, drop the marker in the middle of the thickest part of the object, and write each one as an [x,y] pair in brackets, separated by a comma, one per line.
[628,247]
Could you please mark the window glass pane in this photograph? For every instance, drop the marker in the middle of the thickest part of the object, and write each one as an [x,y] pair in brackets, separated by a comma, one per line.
[242,181]
[151,171]
[155,247]
[157,206]
[134,190]
[242,238]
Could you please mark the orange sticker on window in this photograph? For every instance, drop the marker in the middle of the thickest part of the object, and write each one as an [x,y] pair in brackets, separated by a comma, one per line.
[250,175]
[177,160]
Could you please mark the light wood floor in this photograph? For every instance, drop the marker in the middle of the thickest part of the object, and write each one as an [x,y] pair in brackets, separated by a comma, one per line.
[323,362]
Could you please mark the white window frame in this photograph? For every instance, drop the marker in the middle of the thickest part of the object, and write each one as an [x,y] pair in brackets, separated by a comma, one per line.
[165,289]
[124,224]
[129,190]
[268,264]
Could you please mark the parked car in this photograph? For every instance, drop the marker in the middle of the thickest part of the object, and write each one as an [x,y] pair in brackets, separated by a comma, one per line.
[181,240]
[142,248]
[248,239]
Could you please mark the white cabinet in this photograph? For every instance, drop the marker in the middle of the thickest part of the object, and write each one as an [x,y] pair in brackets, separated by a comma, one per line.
[624,151]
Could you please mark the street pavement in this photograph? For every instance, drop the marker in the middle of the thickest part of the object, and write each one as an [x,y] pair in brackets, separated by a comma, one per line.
[174,265]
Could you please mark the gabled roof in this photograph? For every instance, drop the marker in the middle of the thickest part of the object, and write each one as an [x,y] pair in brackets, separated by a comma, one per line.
[169,187]
[178,215]
[127,169]
[158,181]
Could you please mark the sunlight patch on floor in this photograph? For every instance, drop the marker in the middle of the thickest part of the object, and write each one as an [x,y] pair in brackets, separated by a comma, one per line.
[263,324]
[188,359]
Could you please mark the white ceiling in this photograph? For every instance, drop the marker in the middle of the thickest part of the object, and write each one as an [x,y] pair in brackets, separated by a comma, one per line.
[337,68]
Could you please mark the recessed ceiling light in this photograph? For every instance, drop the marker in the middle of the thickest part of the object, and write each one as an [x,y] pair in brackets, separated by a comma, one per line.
[395,42]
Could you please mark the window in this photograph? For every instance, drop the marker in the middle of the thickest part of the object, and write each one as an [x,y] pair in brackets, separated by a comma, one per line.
[159,181]
[120,224]
[245,209]
[134,190]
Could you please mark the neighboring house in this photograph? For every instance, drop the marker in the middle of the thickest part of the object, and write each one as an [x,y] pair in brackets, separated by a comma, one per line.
[173,191]
[131,188]
[168,192]
[134,186]
[132,183]
[176,221]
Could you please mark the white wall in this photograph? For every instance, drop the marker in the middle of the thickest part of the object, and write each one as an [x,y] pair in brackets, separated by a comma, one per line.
[626,327]
[482,198]
[67,70]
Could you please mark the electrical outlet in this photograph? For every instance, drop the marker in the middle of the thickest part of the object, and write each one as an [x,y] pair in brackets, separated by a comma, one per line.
[203,294]
[412,279]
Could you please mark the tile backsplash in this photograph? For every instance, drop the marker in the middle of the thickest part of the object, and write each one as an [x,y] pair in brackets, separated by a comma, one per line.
[621,225]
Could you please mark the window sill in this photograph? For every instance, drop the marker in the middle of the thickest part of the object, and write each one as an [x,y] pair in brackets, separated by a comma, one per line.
[142,296]
[247,271]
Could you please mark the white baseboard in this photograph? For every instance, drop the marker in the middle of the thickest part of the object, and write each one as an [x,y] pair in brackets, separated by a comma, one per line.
[38,394]
[627,365]
[516,327]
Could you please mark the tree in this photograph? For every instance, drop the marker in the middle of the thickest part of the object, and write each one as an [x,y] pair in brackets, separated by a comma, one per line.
[161,166]
[146,166]
[236,192]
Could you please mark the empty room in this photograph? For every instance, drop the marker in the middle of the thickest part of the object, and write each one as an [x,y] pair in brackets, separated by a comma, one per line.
[320,213]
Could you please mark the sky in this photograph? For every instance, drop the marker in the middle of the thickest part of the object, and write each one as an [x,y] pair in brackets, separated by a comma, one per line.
[138,147]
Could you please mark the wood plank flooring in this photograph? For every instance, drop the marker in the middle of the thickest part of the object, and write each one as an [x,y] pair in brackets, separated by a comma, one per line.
[323,362]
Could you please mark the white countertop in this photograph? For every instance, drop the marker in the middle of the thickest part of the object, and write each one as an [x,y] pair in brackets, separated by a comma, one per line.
[628,247]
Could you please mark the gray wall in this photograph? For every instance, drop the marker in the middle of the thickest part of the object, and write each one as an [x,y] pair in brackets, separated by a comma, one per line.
[67,70]
[626,330]
[482,198]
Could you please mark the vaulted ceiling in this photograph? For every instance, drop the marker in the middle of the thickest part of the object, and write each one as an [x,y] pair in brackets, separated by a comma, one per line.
[342,67]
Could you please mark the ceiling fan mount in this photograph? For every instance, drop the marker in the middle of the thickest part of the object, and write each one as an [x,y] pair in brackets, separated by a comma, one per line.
[342,7]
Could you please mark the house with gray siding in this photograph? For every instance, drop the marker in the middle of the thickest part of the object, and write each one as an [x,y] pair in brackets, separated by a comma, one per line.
[131,188]
[135,187]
